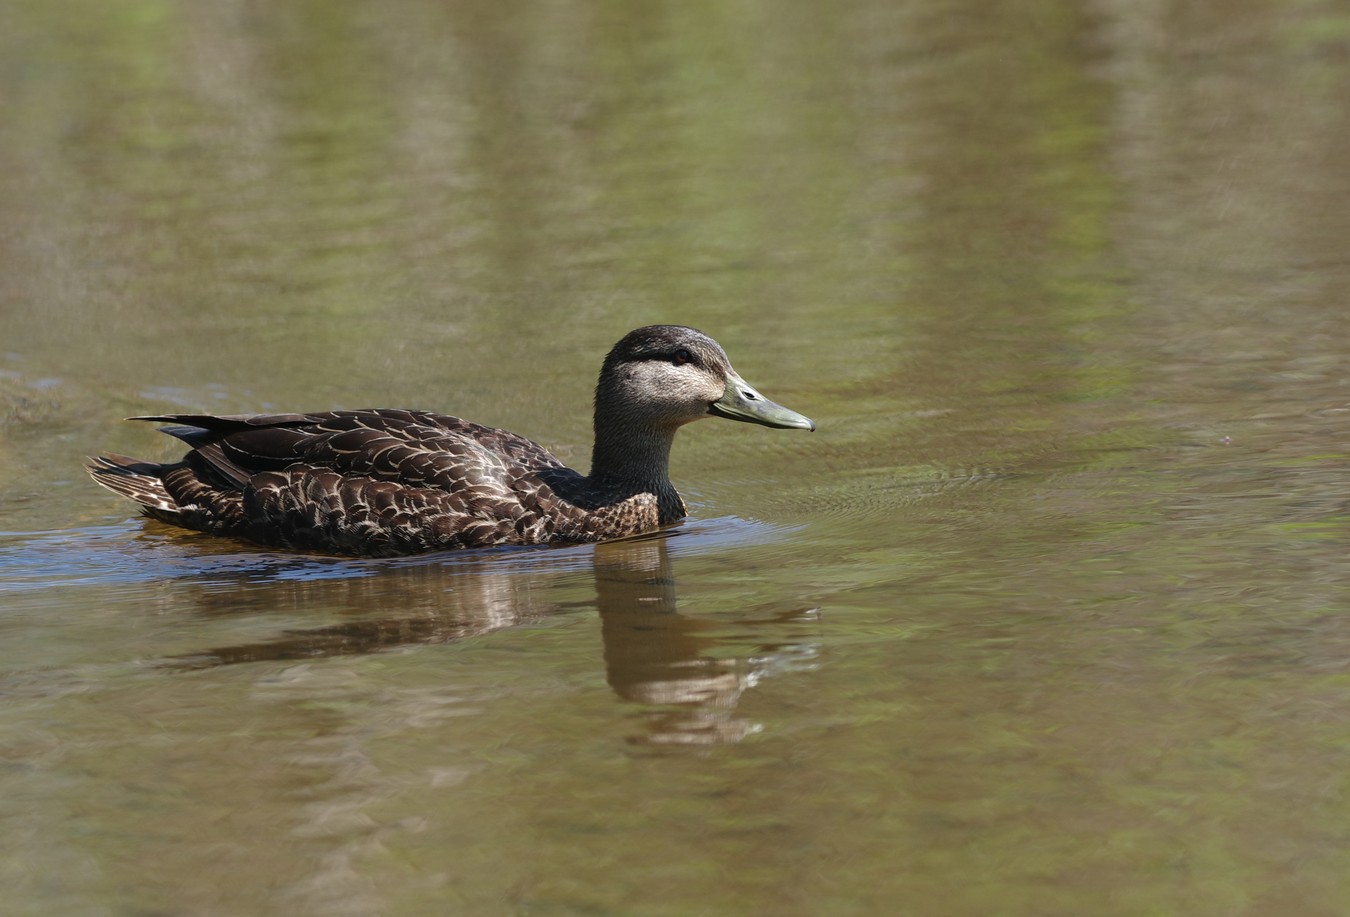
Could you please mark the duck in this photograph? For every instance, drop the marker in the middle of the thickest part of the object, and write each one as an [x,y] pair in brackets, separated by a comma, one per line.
[384,482]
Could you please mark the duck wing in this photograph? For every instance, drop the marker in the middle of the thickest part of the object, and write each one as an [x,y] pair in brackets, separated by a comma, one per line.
[358,482]
[412,447]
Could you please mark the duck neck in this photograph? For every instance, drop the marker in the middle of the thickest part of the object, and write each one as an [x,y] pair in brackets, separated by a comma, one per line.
[631,458]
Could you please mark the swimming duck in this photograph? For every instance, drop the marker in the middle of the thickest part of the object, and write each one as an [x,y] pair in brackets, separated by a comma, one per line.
[386,482]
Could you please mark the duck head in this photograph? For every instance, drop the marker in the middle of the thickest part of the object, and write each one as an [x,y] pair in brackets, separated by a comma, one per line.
[665,376]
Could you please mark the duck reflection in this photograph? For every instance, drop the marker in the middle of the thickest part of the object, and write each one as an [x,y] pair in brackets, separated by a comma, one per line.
[657,657]
[665,662]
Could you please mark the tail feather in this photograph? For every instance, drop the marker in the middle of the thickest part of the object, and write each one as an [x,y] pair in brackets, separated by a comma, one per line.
[136,479]
[202,429]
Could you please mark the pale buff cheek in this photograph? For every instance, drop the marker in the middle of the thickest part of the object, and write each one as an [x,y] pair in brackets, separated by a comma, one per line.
[674,391]
[695,390]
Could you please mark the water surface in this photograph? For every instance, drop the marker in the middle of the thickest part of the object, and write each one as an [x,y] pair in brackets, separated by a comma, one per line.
[1047,618]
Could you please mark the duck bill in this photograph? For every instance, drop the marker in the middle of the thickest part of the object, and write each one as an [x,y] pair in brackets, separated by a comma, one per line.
[742,402]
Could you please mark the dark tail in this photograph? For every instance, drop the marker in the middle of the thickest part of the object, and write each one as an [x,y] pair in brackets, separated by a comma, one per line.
[135,479]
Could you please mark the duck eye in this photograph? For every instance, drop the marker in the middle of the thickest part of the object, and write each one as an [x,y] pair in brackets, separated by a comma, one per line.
[681,357]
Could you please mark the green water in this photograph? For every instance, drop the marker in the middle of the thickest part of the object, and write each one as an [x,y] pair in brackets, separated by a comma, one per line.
[1049,616]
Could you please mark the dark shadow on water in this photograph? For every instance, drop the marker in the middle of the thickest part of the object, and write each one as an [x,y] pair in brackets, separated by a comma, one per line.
[680,668]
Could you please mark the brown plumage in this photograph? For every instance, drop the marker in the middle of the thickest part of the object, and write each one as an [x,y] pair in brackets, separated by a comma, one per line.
[385,482]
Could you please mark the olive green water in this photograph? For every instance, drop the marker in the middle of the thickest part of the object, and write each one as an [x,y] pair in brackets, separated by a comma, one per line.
[1051,615]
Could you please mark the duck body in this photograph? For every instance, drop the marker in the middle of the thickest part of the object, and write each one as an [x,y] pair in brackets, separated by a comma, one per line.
[387,481]
[373,482]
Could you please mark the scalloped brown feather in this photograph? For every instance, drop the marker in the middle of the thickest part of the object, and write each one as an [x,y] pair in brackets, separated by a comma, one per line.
[373,482]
